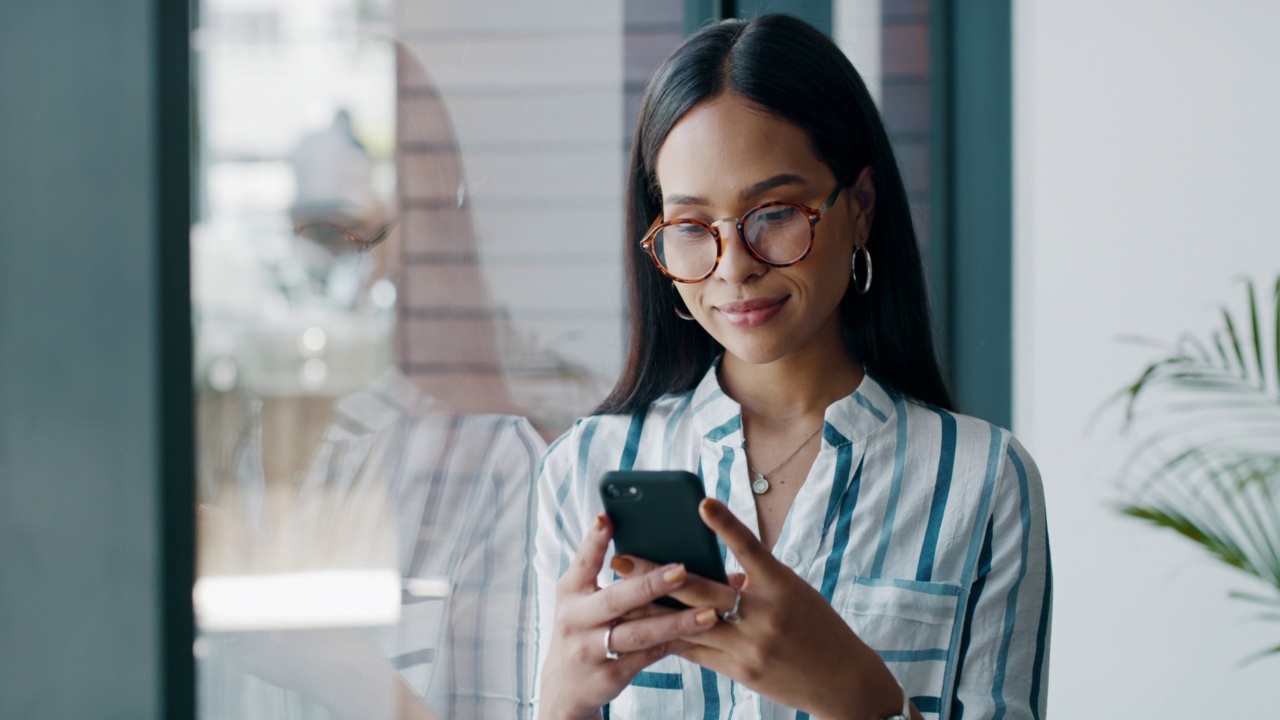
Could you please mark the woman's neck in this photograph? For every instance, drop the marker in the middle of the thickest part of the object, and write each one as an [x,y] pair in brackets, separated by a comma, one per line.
[803,383]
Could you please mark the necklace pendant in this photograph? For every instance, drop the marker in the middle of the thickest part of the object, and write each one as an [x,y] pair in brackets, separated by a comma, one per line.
[760,485]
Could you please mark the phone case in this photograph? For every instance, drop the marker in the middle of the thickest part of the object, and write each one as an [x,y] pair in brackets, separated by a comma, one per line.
[655,517]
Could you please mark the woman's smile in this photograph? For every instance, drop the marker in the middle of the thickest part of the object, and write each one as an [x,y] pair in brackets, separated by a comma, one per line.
[753,312]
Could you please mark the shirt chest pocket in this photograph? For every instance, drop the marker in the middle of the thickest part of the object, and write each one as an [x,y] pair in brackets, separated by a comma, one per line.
[657,692]
[910,624]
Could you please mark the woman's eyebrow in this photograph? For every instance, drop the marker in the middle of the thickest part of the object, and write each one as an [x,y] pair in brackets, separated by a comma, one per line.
[757,189]
[774,182]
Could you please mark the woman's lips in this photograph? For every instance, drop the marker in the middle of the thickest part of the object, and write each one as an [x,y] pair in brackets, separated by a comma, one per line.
[752,313]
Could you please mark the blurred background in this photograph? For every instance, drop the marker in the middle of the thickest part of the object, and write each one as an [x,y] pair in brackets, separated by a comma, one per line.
[236,232]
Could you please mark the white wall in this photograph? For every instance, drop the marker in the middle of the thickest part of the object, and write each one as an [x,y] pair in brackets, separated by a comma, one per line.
[1147,140]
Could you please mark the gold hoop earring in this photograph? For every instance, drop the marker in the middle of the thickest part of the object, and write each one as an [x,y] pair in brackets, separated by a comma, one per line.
[866,284]
[682,314]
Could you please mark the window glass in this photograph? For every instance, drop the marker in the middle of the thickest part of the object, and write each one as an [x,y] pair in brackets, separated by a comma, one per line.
[406,280]
[889,42]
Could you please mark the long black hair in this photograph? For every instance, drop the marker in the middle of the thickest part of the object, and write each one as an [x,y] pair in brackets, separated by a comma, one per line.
[791,69]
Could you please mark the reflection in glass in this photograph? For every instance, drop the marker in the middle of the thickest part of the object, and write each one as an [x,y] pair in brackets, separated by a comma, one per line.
[382,298]
[363,533]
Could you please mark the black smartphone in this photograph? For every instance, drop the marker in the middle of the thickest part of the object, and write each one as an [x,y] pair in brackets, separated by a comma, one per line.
[655,517]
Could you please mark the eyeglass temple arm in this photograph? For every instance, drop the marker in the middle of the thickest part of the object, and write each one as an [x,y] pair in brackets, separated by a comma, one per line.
[831,199]
[648,233]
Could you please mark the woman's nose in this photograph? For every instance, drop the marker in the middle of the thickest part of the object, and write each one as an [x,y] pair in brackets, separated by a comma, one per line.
[737,264]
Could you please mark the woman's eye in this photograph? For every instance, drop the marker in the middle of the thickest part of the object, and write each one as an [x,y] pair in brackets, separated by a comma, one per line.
[778,215]
[687,231]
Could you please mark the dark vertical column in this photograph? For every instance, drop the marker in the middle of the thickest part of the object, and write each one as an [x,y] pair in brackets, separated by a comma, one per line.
[975,52]
[173,141]
[908,84]
[814,12]
[817,13]
[699,12]
[96,548]
[939,235]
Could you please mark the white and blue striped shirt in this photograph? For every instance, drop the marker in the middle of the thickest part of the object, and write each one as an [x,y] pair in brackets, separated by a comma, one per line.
[925,529]
[459,489]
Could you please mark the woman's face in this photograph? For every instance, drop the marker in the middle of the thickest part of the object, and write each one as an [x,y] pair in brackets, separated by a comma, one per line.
[726,156]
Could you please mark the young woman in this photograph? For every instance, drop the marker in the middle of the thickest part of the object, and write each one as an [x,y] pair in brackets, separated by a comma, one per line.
[888,557]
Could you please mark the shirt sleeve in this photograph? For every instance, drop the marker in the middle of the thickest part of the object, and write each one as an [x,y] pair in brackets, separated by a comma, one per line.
[1004,645]
[560,512]
[491,619]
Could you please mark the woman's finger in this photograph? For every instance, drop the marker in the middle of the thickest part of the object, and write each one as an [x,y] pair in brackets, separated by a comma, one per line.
[629,664]
[696,591]
[636,635]
[586,564]
[628,565]
[712,658]
[650,610]
[754,557]
[723,638]
[700,592]
[631,593]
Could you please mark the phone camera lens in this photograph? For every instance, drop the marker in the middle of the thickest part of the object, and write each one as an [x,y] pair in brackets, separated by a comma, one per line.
[613,491]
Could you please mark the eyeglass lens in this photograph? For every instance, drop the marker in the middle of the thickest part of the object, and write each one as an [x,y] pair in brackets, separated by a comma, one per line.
[778,234]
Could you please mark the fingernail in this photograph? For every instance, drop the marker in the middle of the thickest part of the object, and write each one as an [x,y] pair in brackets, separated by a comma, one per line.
[705,616]
[600,522]
[709,507]
[675,574]
[622,566]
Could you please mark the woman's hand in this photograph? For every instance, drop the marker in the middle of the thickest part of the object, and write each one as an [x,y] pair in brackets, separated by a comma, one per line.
[578,678]
[789,645]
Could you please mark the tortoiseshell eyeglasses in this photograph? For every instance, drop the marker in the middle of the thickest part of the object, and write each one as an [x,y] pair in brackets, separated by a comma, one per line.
[338,237]
[777,234]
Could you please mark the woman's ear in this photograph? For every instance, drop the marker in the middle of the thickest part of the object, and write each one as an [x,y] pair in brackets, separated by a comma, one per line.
[864,191]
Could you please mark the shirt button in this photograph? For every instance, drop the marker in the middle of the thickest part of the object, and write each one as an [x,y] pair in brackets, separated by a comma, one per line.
[791,558]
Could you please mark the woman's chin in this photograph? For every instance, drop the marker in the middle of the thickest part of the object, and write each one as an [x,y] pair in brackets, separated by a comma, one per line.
[755,353]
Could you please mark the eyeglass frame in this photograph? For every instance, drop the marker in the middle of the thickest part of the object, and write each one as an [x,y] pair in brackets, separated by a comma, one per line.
[360,243]
[814,215]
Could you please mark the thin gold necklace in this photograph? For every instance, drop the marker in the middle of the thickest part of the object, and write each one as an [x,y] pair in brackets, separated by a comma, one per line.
[760,485]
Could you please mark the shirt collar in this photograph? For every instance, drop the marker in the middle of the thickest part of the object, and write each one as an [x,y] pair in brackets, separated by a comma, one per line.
[718,417]
[376,407]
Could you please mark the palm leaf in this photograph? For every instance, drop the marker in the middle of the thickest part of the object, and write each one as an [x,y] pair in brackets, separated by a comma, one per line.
[1254,598]
[1259,655]
[1201,446]
[1275,336]
[1193,343]
[1218,545]
[1235,343]
[1256,329]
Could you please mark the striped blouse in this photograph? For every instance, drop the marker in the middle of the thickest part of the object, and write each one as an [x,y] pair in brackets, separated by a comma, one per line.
[925,529]
[460,488]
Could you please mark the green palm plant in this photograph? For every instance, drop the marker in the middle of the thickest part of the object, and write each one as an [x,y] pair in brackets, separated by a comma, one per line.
[1202,447]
